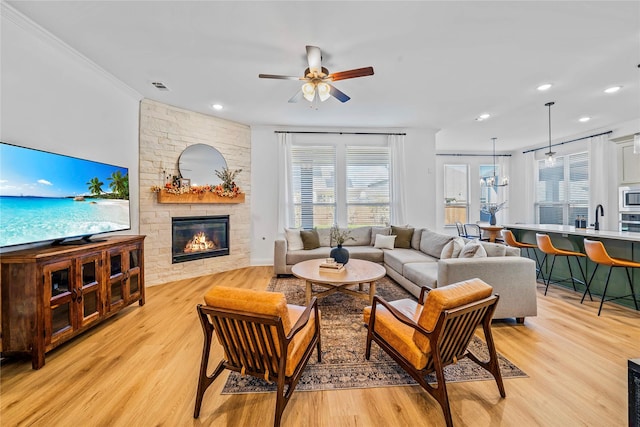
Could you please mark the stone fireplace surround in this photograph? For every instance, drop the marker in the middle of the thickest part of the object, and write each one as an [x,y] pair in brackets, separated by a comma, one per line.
[165,131]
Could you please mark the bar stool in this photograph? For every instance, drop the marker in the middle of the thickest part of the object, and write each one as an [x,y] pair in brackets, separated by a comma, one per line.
[598,254]
[510,240]
[545,245]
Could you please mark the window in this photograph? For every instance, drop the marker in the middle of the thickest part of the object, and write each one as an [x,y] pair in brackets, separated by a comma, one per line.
[562,192]
[456,194]
[340,183]
[490,193]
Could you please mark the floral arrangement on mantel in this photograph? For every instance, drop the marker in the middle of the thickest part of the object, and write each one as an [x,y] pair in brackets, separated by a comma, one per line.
[227,188]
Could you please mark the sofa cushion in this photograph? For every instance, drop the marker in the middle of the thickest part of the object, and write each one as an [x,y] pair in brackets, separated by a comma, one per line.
[453,248]
[294,257]
[403,239]
[473,249]
[361,236]
[384,242]
[445,298]
[385,231]
[431,243]
[310,239]
[422,273]
[399,257]
[324,236]
[294,241]
[415,239]
[494,249]
[366,253]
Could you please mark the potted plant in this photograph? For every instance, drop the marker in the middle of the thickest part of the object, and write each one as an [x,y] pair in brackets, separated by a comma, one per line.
[339,236]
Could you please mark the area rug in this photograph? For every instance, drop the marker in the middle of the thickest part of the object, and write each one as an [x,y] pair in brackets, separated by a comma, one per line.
[344,336]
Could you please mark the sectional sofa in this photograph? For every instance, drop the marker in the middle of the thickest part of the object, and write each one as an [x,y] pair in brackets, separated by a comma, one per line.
[421,257]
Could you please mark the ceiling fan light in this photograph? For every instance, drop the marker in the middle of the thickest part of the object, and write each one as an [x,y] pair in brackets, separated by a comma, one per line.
[308,91]
[324,91]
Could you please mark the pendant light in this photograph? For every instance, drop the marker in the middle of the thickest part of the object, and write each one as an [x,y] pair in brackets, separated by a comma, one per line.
[550,160]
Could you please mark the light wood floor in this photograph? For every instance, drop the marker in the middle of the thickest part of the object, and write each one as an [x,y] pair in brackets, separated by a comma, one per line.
[140,369]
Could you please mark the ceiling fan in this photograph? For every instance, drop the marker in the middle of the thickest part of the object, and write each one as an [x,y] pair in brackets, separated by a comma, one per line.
[317,79]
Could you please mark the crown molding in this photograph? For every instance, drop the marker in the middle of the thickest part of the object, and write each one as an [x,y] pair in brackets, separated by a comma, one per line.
[31,27]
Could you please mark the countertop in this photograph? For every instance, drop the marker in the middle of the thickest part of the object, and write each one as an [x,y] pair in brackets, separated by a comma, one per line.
[569,229]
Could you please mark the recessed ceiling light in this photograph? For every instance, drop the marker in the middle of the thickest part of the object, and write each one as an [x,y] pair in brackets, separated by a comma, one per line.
[612,89]
[216,107]
[543,87]
[482,117]
[584,119]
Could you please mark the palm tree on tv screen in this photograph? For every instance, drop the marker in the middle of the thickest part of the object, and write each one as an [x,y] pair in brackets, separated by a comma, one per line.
[119,184]
[95,186]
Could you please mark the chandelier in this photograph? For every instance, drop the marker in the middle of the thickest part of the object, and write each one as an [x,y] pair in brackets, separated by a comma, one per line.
[492,181]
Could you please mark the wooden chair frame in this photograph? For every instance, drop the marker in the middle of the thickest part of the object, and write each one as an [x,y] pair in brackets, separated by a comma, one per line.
[250,348]
[448,341]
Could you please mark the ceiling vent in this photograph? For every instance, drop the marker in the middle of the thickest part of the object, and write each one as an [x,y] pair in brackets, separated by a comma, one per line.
[160,86]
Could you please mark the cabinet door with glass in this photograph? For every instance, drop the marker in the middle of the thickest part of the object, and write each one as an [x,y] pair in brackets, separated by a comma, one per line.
[125,270]
[60,310]
[133,290]
[90,288]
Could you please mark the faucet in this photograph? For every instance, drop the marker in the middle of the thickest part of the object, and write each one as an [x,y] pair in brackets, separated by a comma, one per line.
[596,225]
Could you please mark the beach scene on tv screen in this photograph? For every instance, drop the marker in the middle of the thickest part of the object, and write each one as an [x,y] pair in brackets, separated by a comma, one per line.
[46,196]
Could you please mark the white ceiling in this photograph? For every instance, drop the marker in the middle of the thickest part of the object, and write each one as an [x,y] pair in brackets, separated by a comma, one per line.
[437,64]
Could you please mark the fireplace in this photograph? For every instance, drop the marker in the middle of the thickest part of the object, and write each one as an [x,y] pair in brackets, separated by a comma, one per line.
[197,237]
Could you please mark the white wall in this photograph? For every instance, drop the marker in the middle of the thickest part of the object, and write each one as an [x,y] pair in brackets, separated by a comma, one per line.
[54,99]
[420,174]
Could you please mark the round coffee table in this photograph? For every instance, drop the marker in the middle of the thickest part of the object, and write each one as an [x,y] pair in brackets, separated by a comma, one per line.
[356,272]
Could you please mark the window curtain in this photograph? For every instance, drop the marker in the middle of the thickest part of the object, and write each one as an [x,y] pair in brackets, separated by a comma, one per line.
[398,180]
[602,177]
[285,204]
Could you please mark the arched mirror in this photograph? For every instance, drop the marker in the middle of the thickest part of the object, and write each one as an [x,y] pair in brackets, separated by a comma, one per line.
[199,163]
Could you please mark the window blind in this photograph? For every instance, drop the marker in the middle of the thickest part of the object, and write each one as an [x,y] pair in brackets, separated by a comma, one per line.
[368,185]
[313,185]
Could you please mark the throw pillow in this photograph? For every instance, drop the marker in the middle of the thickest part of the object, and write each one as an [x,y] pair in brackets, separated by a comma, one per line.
[452,249]
[404,236]
[379,230]
[494,249]
[473,249]
[310,239]
[384,242]
[294,241]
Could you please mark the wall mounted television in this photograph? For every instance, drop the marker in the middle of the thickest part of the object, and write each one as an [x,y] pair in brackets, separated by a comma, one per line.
[52,197]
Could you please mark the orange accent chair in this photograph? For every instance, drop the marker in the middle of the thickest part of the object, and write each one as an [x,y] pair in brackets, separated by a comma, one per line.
[425,336]
[510,240]
[261,335]
[546,247]
[598,254]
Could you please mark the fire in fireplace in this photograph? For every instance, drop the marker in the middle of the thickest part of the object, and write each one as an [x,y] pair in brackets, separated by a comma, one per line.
[199,237]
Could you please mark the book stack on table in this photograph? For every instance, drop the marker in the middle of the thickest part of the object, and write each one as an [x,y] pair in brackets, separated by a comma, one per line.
[332,267]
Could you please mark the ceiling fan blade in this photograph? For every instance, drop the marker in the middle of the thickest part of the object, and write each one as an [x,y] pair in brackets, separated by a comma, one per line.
[350,74]
[275,76]
[297,97]
[314,57]
[339,95]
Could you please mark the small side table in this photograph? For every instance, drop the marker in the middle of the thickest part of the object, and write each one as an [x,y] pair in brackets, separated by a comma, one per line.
[492,231]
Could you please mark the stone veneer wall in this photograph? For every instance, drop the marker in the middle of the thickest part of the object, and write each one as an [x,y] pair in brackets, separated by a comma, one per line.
[165,131]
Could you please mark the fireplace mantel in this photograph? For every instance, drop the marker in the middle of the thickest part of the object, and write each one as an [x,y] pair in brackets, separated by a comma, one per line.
[166,197]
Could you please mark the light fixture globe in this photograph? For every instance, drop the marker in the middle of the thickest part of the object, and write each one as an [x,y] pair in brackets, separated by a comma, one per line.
[309,91]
